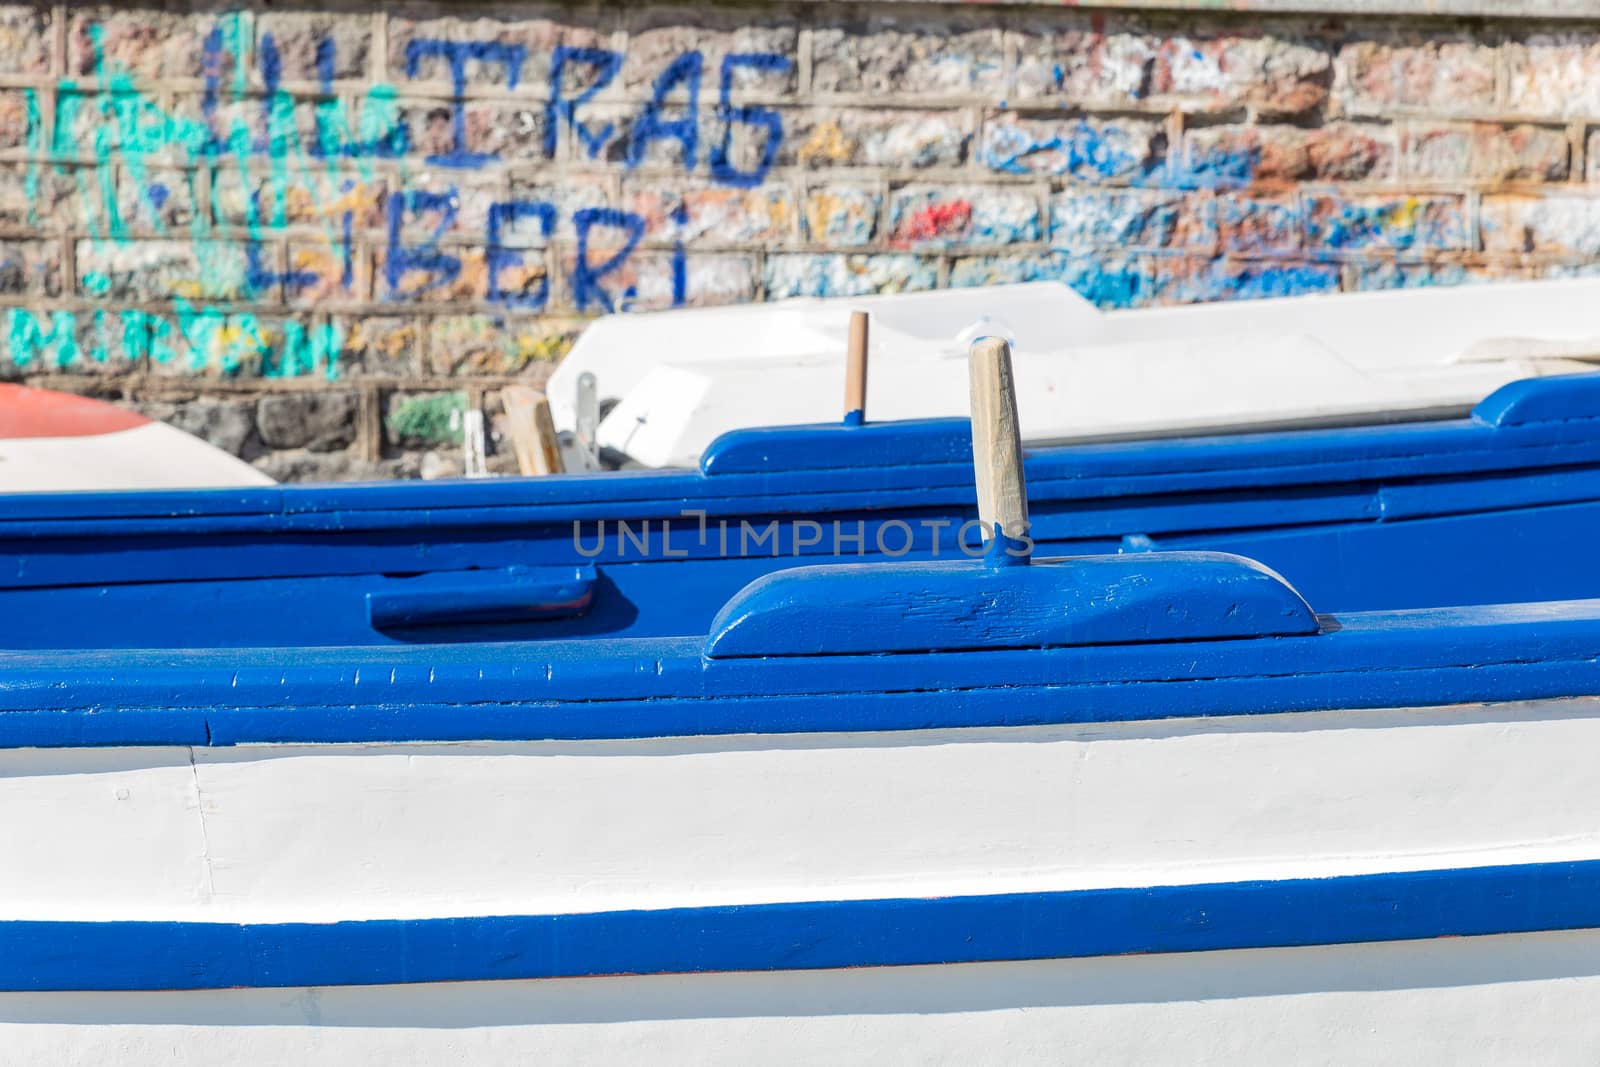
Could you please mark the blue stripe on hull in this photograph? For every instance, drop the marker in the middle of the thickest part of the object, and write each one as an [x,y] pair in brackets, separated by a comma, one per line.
[866,933]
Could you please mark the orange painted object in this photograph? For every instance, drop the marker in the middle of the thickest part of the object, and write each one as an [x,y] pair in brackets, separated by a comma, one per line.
[26,412]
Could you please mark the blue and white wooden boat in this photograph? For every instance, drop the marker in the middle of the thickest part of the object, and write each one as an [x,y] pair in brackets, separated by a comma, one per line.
[1357,518]
[1147,806]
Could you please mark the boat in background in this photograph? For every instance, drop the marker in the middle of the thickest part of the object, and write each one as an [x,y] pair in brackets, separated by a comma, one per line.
[58,442]
[1360,518]
[905,810]
[673,381]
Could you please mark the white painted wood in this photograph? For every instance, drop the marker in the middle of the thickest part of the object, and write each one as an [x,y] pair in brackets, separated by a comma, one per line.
[1480,1000]
[1081,373]
[151,456]
[338,832]
[996,441]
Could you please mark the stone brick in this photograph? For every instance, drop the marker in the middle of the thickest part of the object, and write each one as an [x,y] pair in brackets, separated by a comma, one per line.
[1009,268]
[510,133]
[1551,224]
[129,127]
[1447,73]
[1256,226]
[156,201]
[1105,61]
[1556,74]
[1487,152]
[1109,61]
[379,345]
[227,424]
[425,419]
[1225,157]
[712,214]
[1188,281]
[1397,223]
[323,272]
[271,197]
[842,215]
[1388,274]
[1592,156]
[744,150]
[903,140]
[207,342]
[322,421]
[465,200]
[38,198]
[648,281]
[24,39]
[298,465]
[16,117]
[658,36]
[577,193]
[942,216]
[486,344]
[468,280]
[108,41]
[1083,220]
[506,132]
[830,274]
[164,270]
[300,37]
[378,126]
[31,268]
[1080,148]
[1273,70]
[251,132]
[536,29]
[36,341]
[910,54]
[608,137]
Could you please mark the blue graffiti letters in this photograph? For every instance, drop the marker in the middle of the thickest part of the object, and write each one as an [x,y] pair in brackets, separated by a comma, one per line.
[606,64]
[457,54]
[586,287]
[722,167]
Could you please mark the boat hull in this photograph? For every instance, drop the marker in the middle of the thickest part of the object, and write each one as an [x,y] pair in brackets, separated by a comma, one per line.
[1460,1000]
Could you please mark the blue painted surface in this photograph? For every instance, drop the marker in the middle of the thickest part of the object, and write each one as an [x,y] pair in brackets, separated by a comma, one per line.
[957,604]
[1357,519]
[515,594]
[665,687]
[1215,916]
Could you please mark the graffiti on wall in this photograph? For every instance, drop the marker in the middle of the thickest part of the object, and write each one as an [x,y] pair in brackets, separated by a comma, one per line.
[254,126]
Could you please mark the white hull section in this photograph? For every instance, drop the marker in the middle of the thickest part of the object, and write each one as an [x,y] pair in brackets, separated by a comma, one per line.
[1506,999]
[331,834]
[270,834]
[151,456]
[686,376]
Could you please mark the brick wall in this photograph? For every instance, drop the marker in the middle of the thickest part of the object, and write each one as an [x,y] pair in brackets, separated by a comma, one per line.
[313,236]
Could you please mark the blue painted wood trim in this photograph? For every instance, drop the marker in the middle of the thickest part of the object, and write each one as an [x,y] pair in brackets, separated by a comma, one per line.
[1302,912]
[641,688]
[1535,423]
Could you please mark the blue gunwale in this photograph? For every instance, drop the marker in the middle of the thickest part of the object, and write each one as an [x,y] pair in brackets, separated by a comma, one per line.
[1301,912]
[1548,422]
[665,687]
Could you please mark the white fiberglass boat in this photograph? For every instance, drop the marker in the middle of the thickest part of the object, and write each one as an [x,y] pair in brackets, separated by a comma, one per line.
[53,441]
[681,378]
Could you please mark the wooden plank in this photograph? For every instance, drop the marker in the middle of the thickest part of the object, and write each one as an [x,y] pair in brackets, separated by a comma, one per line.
[996,440]
[533,432]
[855,371]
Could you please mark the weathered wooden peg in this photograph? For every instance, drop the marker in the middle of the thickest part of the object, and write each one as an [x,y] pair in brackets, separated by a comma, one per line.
[997,448]
[855,371]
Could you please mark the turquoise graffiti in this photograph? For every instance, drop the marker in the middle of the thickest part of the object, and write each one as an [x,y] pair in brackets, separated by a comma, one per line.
[261,149]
